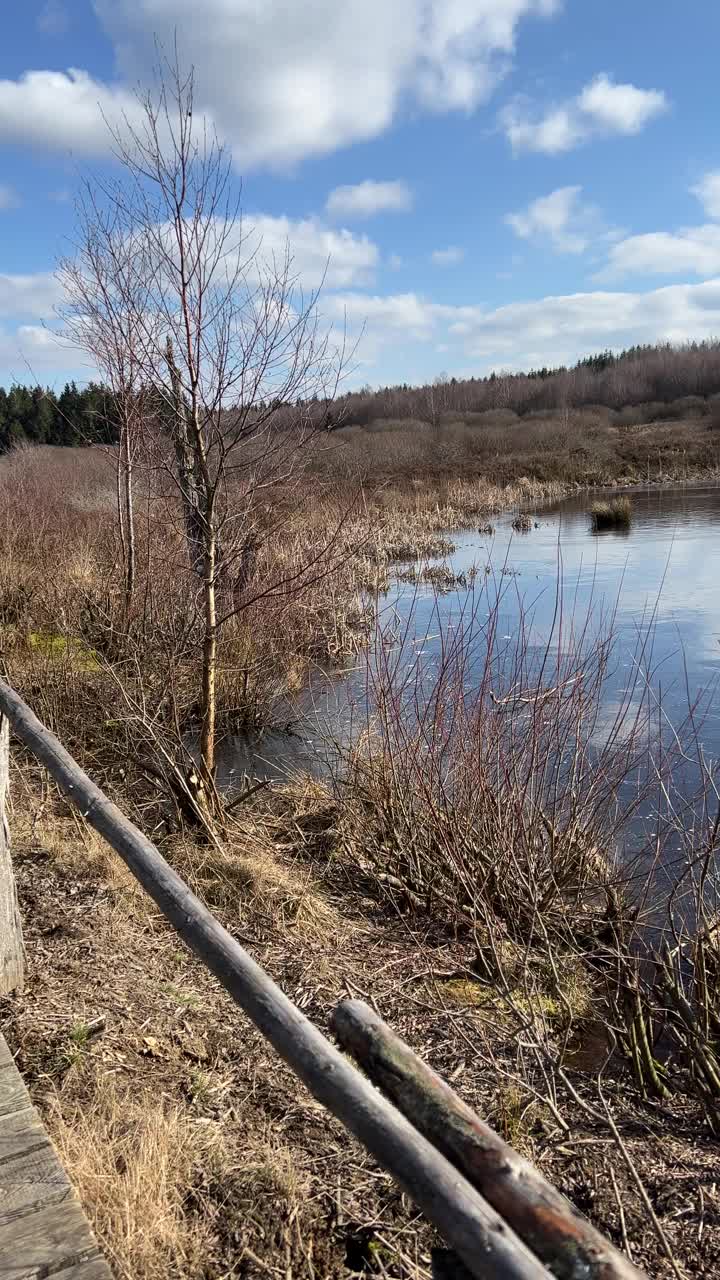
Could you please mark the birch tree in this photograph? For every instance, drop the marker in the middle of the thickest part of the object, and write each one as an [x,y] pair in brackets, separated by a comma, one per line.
[179,305]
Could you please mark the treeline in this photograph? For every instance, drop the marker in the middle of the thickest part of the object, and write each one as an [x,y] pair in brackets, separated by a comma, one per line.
[646,376]
[39,416]
[637,376]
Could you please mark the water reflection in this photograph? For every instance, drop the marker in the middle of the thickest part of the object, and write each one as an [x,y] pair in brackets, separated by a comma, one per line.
[655,585]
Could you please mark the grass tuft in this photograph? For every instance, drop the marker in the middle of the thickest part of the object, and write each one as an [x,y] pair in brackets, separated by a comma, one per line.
[135,1160]
[613,514]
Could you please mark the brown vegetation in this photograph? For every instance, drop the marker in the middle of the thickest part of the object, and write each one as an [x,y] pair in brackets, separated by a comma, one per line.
[614,514]
[461,872]
[643,384]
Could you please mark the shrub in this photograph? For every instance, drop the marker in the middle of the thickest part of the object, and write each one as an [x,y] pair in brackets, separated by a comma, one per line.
[615,514]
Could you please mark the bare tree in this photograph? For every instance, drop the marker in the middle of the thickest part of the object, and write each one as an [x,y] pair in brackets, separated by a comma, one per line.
[179,306]
[106,300]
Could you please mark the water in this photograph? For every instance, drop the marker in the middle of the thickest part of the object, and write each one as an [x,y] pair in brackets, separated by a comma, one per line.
[658,583]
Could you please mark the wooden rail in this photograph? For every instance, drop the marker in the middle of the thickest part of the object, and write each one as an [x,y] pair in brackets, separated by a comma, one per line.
[486,1243]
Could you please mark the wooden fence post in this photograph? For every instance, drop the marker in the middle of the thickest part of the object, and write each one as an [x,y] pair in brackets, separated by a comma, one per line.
[12,954]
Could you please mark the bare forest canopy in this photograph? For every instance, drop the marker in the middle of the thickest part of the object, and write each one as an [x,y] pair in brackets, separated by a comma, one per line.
[650,376]
[660,381]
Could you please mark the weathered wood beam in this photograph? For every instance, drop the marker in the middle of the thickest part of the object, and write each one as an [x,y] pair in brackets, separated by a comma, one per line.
[550,1225]
[487,1246]
[12,955]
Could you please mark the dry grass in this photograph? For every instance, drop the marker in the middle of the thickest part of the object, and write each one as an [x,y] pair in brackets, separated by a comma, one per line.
[253,1178]
[445,824]
[41,818]
[138,1162]
[244,877]
[615,514]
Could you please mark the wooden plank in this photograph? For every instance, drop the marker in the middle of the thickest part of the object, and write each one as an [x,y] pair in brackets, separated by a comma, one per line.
[13,1094]
[32,1180]
[93,1269]
[30,1173]
[12,954]
[485,1243]
[43,1230]
[52,1239]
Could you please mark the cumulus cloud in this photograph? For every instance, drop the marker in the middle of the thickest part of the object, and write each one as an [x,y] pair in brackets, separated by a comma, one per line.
[29,296]
[63,110]
[320,255]
[563,327]
[284,81]
[694,250]
[601,109]
[399,314]
[367,198]
[620,108]
[707,191]
[687,251]
[449,257]
[561,219]
[30,352]
[551,330]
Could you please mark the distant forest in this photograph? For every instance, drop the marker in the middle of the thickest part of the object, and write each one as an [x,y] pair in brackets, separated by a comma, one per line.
[659,381]
[652,377]
[39,416]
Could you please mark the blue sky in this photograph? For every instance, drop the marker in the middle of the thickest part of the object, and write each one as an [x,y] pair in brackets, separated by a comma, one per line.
[496,183]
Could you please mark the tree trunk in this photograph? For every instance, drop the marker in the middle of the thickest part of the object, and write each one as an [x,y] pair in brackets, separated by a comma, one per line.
[186,469]
[129,519]
[12,954]
[126,514]
[209,662]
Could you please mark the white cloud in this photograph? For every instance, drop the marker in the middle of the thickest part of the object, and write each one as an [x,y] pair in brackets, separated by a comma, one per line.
[561,218]
[53,19]
[368,198]
[400,313]
[707,191]
[559,329]
[320,254]
[8,197]
[62,110]
[283,81]
[30,352]
[602,108]
[29,296]
[620,108]
[694,250]
[449,257]
[557,131]
[550,330]
[689,250]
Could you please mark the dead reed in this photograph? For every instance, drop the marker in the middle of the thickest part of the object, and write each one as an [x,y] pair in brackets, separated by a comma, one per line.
[616,513]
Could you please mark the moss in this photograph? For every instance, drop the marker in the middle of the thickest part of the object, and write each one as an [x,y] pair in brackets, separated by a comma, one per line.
[463,991]
[60,647]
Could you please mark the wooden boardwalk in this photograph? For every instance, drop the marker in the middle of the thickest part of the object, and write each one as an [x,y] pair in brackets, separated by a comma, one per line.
[43,1230]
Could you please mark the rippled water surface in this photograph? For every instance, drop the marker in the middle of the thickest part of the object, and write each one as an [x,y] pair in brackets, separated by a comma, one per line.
[659,580]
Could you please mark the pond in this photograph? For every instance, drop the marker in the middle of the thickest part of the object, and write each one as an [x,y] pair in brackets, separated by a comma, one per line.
[659,579]
[655,585]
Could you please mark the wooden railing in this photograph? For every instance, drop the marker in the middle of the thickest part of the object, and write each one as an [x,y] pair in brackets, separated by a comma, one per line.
[492,1207]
